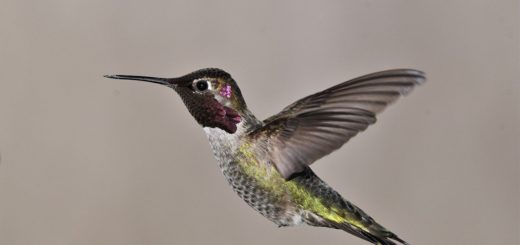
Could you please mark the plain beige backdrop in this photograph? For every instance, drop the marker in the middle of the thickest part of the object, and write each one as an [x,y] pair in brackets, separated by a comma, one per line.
[87,160]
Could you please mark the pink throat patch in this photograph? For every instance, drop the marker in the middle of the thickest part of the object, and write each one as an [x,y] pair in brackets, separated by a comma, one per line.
[226,91]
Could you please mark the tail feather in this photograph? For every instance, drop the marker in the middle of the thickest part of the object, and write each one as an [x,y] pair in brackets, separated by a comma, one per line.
[379,237]
[388,238]
[336,212]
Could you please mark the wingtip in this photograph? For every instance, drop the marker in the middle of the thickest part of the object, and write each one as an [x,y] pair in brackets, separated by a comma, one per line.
[420,80]
[418,74]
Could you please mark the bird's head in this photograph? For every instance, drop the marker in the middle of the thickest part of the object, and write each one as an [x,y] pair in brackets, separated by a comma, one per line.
[211,96]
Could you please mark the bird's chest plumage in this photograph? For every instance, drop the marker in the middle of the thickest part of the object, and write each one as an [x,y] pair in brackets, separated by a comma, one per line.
[252,177]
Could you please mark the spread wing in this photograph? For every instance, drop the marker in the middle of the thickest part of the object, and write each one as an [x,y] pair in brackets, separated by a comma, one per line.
[318,124]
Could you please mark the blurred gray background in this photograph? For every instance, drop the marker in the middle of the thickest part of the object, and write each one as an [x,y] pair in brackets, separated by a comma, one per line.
[87,160]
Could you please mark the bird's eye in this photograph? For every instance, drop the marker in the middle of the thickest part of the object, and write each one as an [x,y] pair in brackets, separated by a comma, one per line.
[202,85]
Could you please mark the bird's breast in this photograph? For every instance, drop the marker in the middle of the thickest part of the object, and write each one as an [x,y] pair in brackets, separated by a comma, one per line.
[253,178]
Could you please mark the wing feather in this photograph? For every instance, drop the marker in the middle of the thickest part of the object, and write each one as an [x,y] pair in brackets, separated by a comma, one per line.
[318,124]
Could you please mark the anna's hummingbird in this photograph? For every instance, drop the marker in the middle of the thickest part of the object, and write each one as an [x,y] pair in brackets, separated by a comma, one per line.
[267,162]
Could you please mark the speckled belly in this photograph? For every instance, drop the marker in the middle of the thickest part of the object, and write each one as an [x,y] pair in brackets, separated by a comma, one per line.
[274,205]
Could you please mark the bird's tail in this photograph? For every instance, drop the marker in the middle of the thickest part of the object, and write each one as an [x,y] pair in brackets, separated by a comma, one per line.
[329,209]
[358,223]
[386,238]
[383,237]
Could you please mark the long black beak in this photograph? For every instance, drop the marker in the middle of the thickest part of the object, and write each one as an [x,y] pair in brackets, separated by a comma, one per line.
[163,81]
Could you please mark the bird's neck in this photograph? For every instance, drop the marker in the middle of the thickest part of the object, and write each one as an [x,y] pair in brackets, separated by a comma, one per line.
[225,145]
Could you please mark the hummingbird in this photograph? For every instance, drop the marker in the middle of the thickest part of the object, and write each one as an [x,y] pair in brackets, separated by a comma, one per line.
[267,163]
